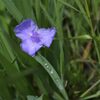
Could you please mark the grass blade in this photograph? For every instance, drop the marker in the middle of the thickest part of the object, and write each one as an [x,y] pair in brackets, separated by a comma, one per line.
[68,5]
[21,84]
[47,14]
[13,10]
[53,74]
[4,94]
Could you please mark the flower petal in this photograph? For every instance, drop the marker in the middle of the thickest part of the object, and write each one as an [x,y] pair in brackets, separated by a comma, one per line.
[46,36]
[26,24]
[29,47]
[25,29]
[22,36]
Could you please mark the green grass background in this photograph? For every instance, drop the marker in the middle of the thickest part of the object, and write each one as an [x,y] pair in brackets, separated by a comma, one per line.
[74,53]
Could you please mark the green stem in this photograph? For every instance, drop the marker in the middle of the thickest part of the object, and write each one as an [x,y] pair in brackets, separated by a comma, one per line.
[53,74]
[92,30]
[91,88]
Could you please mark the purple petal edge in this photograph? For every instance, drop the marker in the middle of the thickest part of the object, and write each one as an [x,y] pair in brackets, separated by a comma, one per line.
[29,47]
[47,35]
[24,25]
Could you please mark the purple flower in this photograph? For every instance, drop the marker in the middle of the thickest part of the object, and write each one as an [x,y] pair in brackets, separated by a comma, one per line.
[32,37]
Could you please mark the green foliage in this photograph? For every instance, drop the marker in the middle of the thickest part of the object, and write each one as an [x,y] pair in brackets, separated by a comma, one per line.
[74,54]
[34,98]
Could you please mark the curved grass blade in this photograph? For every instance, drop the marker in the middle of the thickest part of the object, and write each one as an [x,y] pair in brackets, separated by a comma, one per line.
[4,94]
[13,10]
[6,43]
[59,17]
[21,84]
[53,74]
[97,94]
[47,14]
[82,10]
[29,97]
[11,66]
[68,5]
[25,7]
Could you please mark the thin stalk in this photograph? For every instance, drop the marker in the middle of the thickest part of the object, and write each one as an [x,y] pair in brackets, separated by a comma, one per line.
[92,30]
[60,35]
[91,88]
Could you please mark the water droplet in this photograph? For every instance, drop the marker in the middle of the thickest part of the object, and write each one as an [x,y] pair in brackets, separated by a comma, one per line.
[51,71]
[60,87]
[45,64]
[59,84]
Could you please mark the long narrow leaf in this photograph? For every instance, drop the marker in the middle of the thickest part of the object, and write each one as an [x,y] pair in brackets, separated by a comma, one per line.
[53,74]
[13,10]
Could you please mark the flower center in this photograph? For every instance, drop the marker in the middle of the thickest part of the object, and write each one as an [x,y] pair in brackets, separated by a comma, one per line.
[30,34]
[35,38]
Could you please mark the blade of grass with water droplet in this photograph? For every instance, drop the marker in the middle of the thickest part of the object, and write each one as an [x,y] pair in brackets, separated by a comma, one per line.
[53,74]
